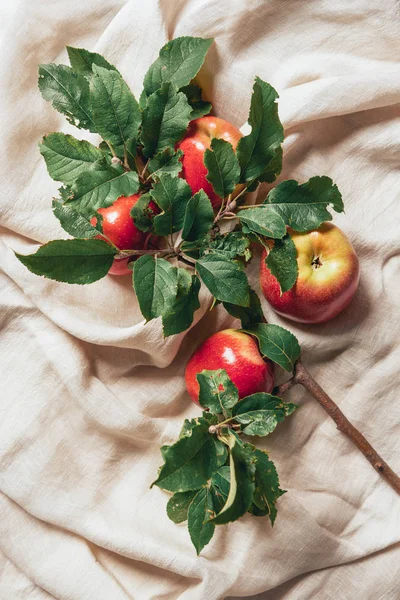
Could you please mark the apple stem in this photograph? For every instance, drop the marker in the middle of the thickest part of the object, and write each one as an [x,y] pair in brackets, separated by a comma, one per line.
[304,378]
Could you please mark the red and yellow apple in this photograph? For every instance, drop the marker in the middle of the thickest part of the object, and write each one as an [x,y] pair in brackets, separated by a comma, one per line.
[196,141]
[238,354]
[120,228]
[327,281]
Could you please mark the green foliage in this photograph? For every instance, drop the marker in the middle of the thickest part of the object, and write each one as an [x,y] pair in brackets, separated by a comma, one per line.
[263,221]
[115,111]
[199,217]
[178,506]
[250,315]
[200,108]
[68,92]
[71,261]
[305,207]
[217,393]
[224,278]
[172,195]
[259,149]
[74,223]
[223,167]
[200,510]
[277,344]
[281,260]
[267,490]
[179,62]
[167,162]
[260,413]
[180,313]
[82,61]
[66,157]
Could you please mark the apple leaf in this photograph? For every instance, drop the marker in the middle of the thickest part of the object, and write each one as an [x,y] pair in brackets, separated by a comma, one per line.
[178,506]
[241,488]
[68,92]
[101,185]
[260,413]
[179,62]
[71,261]
[272,169]
[250,315]
[156,286]
[115,111]
[165,119]
[263,221]
[267,490]
[223,167]
[217,393]
[167,162]
[231,245]
[200,528]
[305,207]
[142,213]
[82,61]
[277,344]
[199,217]
[66,157]
[225,279]
[220,484]
[200,108]
[189,424]
[190,462]
[179,315]
[172,195]
[74,223]
[256,150]
[281,260]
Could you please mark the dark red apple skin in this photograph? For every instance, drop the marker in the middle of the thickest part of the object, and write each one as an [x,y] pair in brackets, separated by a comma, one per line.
[196,141]
[119,227]
[321,293]
[238,354]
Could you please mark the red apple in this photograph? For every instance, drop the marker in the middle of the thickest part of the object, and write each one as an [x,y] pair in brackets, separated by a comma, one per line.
[119,227]
[328,277]
[194,144]
[238,354]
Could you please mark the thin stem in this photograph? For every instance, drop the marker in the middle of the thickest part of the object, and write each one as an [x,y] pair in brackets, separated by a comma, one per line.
[144,171]
[304,378]
[111,149]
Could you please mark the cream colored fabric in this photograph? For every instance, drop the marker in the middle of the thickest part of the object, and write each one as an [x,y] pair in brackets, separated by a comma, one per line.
[89,393]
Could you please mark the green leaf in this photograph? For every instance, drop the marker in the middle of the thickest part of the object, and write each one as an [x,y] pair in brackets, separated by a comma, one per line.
[241,489]
[281,260]
[225,279]
[189,424]
[71,261]
[179,62]
[267,490]
[200,108]
[200,528]
[277,344]
[248,315]
[66,157]
[190,462]
[178,505]
[256,150]
[305,207]
[74,223]
[223,167]
[259,414]
[180,313]
[115,110]
[68,92]
[156,286]
[199,217]
[273,168]
[165,119]
[82,61]
[220,484]
[142,213]
[217,392]
[172,195]
[264,222]
[100,186]
[167,162]
[231,245]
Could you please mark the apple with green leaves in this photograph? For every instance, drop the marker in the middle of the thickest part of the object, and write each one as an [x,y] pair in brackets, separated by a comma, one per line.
[120,229]
[328,276]
[197,140]
[238,354]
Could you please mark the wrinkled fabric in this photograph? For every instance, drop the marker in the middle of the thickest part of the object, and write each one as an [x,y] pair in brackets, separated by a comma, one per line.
[90,393]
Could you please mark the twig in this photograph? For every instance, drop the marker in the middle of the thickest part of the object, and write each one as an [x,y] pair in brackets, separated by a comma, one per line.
[304,378]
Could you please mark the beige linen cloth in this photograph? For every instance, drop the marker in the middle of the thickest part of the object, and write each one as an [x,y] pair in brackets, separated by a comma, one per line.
[89,393]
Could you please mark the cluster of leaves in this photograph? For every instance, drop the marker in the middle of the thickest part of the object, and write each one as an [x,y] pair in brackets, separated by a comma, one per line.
[138,155]
[216,476]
